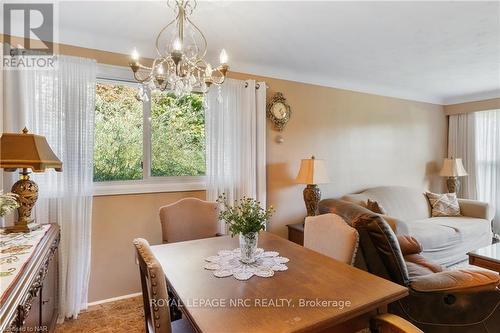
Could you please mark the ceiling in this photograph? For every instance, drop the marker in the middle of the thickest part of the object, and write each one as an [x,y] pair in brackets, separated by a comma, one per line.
[440,52]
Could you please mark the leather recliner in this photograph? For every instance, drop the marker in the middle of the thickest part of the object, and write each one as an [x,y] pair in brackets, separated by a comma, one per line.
[440,300]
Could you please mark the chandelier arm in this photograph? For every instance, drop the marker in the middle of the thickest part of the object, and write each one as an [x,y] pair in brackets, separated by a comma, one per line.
[191,5]
[142,80]
[194,64]
[141,66]
[172,4]
[153,65]
[157,42]
[218,81]
[205,43]
[200,61]
[151,69]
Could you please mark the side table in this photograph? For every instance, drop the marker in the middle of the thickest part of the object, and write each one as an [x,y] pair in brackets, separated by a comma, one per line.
[296,233]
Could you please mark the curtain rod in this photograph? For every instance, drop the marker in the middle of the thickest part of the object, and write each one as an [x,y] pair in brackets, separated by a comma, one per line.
[257,85]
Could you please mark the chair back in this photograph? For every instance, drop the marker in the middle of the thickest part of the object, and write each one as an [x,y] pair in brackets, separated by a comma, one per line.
[189,219]
[154,290]
[330,235]
[380,253]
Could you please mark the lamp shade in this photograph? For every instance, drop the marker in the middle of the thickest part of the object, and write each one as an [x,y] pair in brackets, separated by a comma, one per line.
[312,171]
[453,167]
[30,151]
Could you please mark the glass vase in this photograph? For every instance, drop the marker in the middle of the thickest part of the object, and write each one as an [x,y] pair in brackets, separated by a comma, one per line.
[248,247]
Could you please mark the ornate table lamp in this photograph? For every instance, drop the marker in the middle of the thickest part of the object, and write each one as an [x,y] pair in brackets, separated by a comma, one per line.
[26,151]
[312,172]
[453,168]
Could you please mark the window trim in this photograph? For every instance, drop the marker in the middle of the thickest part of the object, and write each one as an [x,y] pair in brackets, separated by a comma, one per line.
[167,184]
[148,184]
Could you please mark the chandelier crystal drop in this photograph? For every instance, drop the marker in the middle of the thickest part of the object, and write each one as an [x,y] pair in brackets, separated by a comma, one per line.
[180,65]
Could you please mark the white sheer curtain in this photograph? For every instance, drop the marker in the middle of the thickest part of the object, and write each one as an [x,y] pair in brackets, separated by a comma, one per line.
[462,144]
[59,104]
[475,137]
[488,160]
[236,141]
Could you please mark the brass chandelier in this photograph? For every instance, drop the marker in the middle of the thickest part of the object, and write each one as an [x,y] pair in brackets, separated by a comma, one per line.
[180,66]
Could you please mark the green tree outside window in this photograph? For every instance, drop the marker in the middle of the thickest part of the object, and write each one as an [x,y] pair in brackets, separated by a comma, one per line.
[177,134]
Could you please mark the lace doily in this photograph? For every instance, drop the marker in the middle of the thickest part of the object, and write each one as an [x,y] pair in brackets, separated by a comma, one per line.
[227,263]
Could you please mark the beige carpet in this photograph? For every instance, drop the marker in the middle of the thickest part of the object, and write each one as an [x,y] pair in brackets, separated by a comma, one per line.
[125,316]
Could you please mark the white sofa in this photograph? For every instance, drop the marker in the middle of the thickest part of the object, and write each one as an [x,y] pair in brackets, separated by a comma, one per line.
[445,240]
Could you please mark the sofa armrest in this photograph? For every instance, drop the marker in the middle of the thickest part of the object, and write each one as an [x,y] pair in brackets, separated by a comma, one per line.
[478,209]
[460,280]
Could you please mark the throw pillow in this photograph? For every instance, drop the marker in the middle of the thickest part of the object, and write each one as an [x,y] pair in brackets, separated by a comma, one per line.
[444,204]
[375,207]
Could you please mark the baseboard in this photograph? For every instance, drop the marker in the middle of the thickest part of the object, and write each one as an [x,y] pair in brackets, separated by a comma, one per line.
[113,299]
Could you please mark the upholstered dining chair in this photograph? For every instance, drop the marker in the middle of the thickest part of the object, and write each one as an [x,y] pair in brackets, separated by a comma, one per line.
[330,235]
[154,293]
[189,219]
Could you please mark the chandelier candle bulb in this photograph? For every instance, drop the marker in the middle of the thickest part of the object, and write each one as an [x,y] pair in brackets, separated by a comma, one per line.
[177,45]
[135,55]
[223,57]
[134,61]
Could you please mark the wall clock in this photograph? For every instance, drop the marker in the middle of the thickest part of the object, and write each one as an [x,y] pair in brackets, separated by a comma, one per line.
[278,111]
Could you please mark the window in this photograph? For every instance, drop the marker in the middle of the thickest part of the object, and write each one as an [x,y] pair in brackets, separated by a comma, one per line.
[118,133]
[177,135]
[147,146]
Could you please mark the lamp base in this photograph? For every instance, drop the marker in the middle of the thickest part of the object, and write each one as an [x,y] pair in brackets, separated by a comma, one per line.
[453,184]
[27,190]
[312,195]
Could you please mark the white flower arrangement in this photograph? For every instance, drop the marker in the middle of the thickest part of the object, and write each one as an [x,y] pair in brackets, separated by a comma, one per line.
[8,203]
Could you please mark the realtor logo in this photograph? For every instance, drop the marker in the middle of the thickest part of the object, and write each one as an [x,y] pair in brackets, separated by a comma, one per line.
[34,22]
[29,35]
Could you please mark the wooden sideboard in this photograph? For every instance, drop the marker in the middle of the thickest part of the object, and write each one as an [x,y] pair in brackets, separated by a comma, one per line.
[31,303]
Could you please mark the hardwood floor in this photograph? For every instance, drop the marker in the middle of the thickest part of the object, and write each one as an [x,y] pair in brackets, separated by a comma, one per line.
[122,316]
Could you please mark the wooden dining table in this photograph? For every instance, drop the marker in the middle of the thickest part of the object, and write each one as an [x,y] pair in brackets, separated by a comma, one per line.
[315,294]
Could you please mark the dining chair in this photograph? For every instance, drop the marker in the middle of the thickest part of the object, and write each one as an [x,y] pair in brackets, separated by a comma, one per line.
[154,293]
[328,234]
[390,323]
[188,219]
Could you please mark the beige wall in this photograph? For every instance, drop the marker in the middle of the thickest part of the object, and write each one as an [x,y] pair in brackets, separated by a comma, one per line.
[116,221]
[367,140]
[487,104]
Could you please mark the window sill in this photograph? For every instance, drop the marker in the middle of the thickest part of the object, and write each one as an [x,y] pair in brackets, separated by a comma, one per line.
[142,187]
